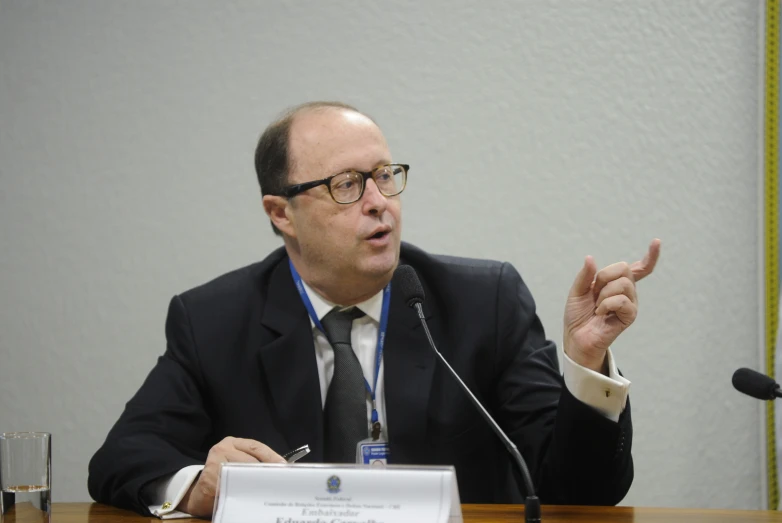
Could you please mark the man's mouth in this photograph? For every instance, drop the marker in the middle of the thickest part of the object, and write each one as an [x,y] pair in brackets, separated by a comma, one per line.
[380,237]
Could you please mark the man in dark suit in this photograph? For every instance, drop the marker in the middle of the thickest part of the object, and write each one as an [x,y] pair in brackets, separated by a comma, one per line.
[252,366]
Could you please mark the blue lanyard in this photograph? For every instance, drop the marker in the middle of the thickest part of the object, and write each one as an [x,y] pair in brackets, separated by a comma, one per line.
[381,333]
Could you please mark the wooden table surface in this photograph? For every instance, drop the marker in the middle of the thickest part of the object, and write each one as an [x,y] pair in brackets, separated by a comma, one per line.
[96,513]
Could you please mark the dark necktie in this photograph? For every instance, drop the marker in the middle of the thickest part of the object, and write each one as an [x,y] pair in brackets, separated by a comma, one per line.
[345,413]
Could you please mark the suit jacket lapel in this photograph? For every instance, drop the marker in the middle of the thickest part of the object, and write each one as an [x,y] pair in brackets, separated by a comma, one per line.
[287,355]
[409,365]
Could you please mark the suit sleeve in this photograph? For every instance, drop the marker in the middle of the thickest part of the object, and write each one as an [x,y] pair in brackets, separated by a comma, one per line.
[575,454]
[163,428]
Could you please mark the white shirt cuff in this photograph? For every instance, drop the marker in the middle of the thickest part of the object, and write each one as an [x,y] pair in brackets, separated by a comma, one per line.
[606,394]
[168,492]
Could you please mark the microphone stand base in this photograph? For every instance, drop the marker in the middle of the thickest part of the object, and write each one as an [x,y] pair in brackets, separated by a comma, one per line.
[532,509]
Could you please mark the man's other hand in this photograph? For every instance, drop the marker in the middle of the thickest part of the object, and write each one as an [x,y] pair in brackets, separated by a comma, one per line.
[199,500]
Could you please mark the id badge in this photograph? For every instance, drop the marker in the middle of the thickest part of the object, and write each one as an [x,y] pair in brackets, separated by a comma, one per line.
[372,452]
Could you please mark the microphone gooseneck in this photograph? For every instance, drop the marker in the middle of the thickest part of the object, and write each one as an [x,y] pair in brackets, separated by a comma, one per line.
[413,292]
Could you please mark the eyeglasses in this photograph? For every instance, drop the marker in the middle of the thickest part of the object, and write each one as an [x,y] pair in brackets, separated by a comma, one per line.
[348,187]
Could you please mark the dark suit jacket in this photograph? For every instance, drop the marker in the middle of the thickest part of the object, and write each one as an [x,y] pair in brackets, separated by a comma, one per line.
[240,361]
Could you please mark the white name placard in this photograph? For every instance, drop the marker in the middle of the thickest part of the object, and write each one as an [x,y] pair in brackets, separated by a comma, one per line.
[298,493]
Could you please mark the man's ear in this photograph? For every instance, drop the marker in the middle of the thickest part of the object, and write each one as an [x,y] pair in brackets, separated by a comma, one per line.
[276,210]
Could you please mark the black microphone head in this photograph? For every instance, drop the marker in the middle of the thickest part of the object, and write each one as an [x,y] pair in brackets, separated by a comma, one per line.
[755,384]
[407,282]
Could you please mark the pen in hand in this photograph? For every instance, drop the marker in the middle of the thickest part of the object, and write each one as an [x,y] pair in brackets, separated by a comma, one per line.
[296,454]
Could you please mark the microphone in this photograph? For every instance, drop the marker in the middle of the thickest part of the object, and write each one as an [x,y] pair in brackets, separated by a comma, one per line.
[755,384]
[413,292]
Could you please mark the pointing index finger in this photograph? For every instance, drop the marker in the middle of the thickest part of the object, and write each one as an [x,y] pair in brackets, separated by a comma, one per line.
[643,268]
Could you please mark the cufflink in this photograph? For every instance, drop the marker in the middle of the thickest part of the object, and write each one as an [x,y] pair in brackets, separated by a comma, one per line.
[608,393]
[166,505]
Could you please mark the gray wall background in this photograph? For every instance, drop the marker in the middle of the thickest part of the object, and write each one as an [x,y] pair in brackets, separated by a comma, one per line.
[538,132]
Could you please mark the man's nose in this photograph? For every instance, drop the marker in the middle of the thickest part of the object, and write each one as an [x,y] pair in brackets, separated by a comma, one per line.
[373,200]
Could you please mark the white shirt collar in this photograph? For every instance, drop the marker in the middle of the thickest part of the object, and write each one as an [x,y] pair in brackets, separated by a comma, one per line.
[372,307]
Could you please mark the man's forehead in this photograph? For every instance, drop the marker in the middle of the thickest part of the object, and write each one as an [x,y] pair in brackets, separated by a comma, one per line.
[332,136]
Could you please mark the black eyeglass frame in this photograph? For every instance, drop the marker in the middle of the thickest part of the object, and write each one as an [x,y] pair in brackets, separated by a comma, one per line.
[293,190]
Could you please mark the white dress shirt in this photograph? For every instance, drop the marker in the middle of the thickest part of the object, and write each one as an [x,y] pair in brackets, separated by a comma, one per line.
[606,394]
